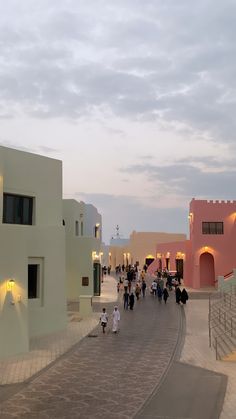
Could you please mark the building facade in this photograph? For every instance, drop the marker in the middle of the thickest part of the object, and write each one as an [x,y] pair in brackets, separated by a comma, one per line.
[83,228]
[211,249]
[32,257]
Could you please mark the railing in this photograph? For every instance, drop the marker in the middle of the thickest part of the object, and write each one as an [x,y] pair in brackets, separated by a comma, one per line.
[222,313]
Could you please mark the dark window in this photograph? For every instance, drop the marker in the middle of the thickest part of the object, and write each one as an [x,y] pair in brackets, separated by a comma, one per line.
[82,228]
[210,227]
[77,228]
[17,209]
[33,278]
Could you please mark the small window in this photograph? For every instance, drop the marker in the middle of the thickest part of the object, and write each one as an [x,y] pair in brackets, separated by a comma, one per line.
[17,209]
[211,227]
[77,228]
[33,281]
[82,228]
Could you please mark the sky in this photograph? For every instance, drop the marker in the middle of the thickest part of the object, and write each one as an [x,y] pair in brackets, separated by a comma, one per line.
[137,98]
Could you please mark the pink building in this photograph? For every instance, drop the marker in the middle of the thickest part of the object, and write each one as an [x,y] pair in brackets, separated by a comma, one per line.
[211,248]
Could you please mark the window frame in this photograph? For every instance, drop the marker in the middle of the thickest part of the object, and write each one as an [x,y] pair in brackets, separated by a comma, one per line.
[213,227]
[16,212]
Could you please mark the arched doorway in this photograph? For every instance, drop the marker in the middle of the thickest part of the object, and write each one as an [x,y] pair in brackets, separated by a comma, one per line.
[149,259]
[207,270]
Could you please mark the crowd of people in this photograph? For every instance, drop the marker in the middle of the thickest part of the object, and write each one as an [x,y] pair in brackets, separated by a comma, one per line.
[132,281]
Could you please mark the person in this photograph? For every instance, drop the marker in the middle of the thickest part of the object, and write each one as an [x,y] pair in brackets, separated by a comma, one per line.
[104,319]
[184,296]
[131,301]
[144,288]
[116,319]
[126,284]
[165,294]
[154,288]
[177,295]
[137,290]
[159,294]
[109,269]
[126,300]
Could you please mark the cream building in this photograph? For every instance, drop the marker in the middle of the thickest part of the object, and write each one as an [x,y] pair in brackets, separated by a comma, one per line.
[83,227]
[32,257]
[141,247]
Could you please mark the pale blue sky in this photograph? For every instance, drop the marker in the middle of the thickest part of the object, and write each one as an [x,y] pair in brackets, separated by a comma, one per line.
[136,98]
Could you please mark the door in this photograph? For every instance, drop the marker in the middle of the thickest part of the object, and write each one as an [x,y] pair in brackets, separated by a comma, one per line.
[96,278]
[207,270]
[180,267]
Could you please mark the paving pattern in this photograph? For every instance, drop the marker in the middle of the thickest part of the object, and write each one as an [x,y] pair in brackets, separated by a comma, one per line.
[108,376]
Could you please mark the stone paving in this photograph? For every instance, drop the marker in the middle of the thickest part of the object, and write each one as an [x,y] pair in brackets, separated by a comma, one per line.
[46,349]
[196,352]
[108,376]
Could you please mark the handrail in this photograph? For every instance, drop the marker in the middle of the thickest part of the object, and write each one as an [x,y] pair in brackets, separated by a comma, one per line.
[221,337]
[229,274]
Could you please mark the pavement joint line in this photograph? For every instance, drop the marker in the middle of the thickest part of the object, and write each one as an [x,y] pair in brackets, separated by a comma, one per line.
[175,355]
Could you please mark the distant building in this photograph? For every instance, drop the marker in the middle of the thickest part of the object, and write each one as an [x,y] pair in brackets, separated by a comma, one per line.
[83,227]
[211,249]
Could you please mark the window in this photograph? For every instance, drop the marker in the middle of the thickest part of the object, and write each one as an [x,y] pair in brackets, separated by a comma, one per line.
[33,281]
[210,227]
[96,231]
[17,209]
[77,228]
[82,228]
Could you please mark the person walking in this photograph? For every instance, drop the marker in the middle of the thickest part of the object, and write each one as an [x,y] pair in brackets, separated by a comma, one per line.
[165,294]
[159,294]
[184,296]
[131,301]
[154,288]
[104,320]
[137,290]
[116,319]
[126,300]
[177,295]
[144,286]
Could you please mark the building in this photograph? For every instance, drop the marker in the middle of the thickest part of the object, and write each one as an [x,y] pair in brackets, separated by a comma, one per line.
[211,249]
[141,248]
[32,257]
[83,227]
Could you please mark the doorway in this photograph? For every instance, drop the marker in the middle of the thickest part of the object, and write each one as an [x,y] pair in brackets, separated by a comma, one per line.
[96,278]
[179,263]
[207,270]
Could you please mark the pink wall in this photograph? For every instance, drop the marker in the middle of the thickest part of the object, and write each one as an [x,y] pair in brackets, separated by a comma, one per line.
[220,246]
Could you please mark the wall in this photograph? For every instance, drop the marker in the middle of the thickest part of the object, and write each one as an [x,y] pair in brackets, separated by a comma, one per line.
[144,243]
[221,246]
[79,249]
[40,177]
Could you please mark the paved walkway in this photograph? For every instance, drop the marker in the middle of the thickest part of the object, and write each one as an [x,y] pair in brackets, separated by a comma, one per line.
[146,371]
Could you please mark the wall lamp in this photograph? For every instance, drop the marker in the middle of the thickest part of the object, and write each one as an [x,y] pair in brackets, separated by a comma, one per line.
[10,284]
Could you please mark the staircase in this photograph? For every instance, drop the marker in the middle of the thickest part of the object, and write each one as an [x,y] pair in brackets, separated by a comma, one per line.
[222,323]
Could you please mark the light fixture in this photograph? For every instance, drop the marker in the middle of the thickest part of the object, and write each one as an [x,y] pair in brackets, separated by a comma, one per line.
[10,284]
[206,248]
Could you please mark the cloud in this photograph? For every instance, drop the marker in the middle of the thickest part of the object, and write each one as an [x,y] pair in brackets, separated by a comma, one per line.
[131,213]
[171,62]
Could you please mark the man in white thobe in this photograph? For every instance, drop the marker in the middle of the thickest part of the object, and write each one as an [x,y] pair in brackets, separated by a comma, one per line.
[116,319]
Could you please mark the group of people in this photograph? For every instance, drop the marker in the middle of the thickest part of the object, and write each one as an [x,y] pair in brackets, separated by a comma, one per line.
[181,296]
[115,320]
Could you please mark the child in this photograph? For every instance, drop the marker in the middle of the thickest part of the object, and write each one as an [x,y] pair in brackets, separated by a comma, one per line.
[104,319]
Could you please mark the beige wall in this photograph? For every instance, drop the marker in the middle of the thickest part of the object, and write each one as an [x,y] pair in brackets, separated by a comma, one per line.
[39,177]
[79,249]
[143,244]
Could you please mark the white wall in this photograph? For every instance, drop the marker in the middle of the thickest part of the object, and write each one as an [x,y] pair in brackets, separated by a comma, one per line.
[40,177]
[79,249]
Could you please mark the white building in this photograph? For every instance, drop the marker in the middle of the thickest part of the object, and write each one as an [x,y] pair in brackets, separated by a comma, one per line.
[83,226]
[32,242]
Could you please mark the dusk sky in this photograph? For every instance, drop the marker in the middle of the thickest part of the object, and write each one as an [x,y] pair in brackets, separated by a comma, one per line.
[137,98]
